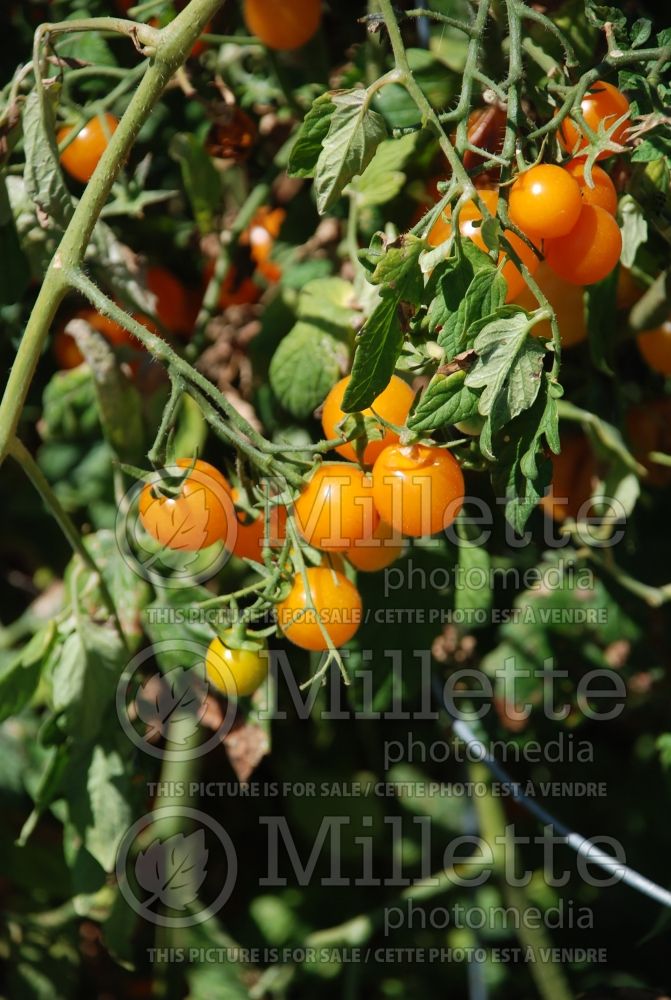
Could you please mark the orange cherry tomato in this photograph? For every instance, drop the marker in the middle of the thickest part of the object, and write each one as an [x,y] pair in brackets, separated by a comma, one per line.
[567,301]
[649,429]
[282,26]
[201,514]
[175,308]
[332,601]
[250,536]
[470,219]
[603,103]
[336,507]
[590,251]
[377,552]
[655,346]
[393,404]
[545,201]
[601,193]
[418,490]
[572,473]
[83,154]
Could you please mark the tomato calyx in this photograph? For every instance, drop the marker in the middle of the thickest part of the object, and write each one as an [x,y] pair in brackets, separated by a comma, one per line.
[238,637]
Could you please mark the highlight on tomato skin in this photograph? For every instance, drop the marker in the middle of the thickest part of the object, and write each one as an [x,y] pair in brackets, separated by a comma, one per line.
[200,514]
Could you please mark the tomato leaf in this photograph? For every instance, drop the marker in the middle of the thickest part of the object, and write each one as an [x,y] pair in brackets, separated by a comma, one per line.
[310,137]
[384,178]
[20,678]
[43,177]
[522,472]
[446,400]
[99,802]
[307,363]
[380,340]
[354,134]
[508,369]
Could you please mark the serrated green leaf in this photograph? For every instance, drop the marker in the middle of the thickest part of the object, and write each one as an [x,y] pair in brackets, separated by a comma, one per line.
[43,177]
[446,400]
[354,134]
[310,137]
[378,347]
[508,370]
[19,680]
[380,340]
[99,803]
[384,178]
[307,363]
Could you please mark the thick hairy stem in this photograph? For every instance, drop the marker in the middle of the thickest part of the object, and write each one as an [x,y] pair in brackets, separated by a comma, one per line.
[173,44]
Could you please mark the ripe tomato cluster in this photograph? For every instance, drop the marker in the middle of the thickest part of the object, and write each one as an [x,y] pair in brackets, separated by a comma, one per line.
[567,216]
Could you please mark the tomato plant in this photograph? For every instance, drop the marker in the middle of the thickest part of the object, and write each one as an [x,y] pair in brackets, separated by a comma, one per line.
[359,498]
[470,223]
[602,106]
[601,191]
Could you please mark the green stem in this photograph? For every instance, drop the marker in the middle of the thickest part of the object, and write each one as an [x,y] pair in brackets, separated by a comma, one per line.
[405,77]
[20,453]
[174,43]
[157,455]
